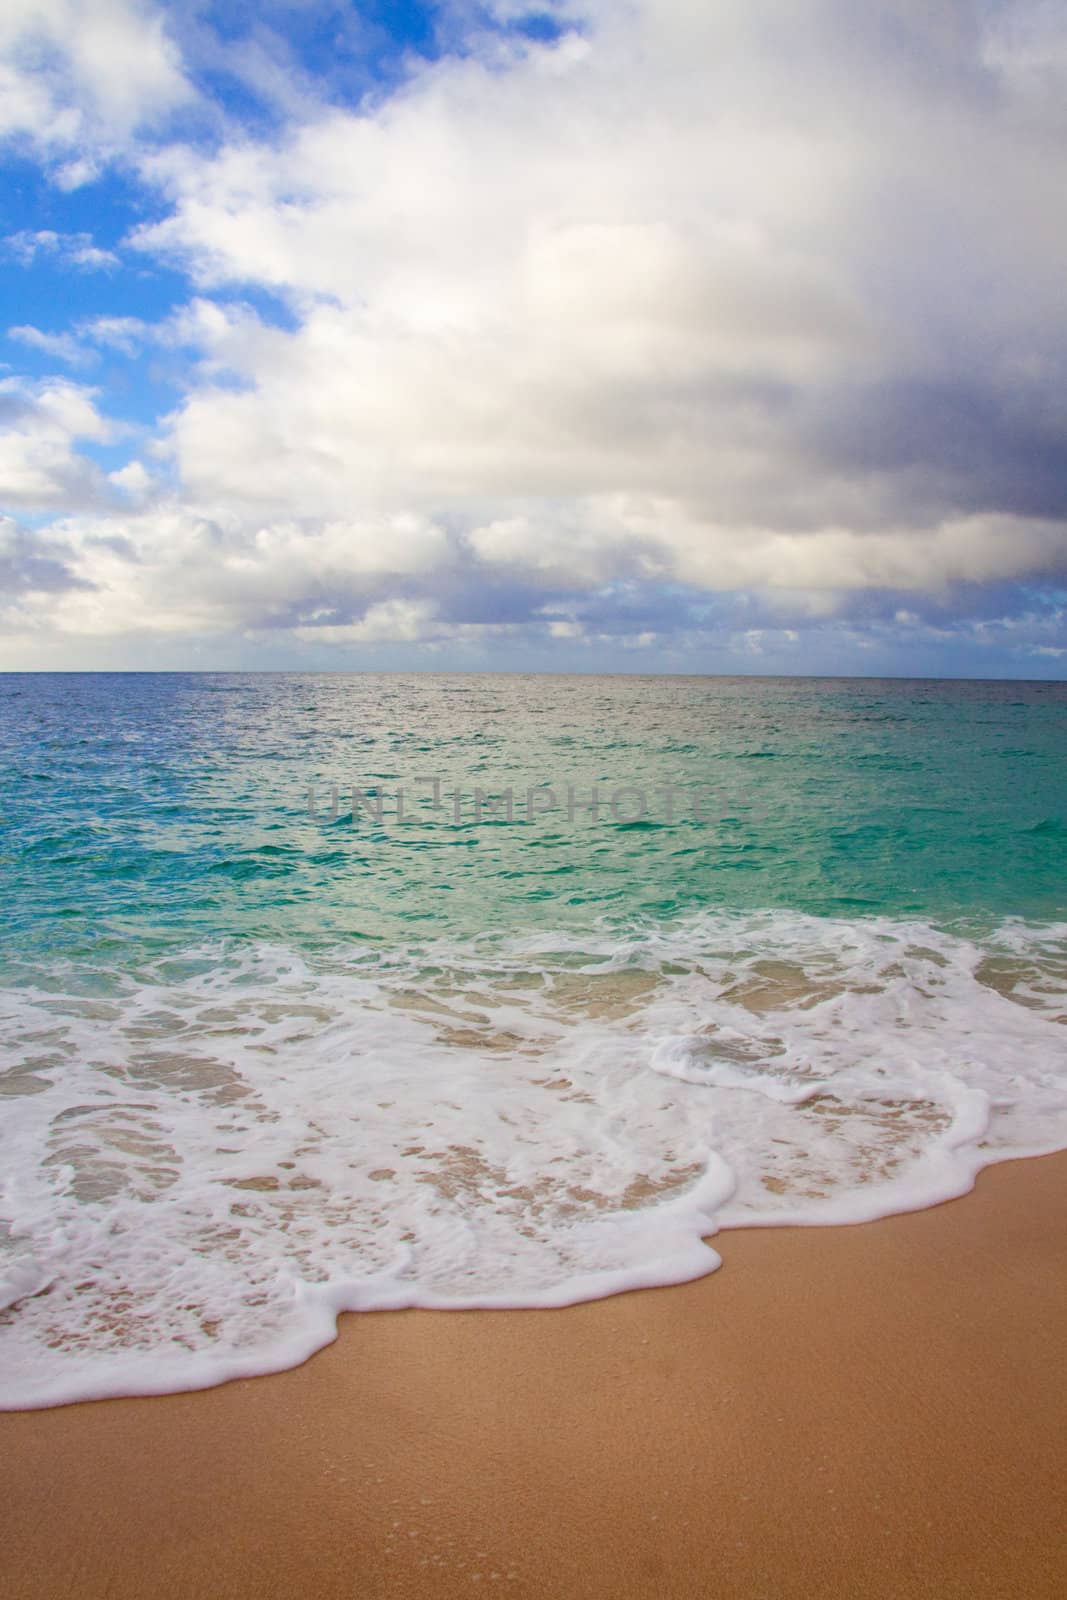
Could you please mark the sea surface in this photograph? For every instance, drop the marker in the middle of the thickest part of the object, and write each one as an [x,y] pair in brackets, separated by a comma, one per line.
[327,992]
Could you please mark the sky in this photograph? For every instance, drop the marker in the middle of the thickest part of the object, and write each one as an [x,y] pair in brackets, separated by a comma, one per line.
[709,336]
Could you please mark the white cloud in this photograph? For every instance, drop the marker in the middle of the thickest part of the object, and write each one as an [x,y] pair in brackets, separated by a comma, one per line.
[73,249]
[652,273]
[126,334]
[390,620]
[77,74]
[927,558]
[39,463]
[134,479]
[63,346]
[742,297]
[581,546]
[159,567]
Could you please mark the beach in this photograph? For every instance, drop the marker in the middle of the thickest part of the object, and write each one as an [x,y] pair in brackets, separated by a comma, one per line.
[533,800]
[867,1411]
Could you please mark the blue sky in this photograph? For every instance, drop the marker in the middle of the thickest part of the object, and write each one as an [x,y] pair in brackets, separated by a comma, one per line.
[592,336]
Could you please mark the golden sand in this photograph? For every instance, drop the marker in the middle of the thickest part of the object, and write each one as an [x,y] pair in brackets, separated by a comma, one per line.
[841,1412]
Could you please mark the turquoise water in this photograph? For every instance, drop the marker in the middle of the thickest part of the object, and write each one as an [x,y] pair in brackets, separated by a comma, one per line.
[262,1060]
[144,810]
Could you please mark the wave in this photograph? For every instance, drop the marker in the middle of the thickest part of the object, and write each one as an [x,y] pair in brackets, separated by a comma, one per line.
[207,1158]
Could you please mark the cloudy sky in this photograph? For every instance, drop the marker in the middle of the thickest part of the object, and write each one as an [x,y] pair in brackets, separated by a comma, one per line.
[640,335]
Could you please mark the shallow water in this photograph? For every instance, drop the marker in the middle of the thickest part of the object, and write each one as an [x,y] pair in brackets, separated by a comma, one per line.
[806,964]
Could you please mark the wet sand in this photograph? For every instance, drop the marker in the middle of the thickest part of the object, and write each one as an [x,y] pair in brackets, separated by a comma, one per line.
[869,1411]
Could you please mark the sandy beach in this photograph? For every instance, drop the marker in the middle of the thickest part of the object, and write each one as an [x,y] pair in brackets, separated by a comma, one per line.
[868,1411]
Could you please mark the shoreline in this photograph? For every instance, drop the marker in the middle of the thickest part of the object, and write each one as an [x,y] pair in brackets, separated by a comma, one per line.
[875,1410]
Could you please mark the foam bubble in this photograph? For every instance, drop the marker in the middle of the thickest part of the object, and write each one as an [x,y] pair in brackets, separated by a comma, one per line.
[207,1160]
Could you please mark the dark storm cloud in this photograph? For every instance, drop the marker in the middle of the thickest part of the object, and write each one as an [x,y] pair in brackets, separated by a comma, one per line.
[960,444]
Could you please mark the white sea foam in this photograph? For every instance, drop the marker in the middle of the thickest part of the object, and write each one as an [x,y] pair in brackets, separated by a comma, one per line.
[203,1164]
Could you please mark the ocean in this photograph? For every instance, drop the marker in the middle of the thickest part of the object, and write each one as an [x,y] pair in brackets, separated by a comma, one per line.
[328,992]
